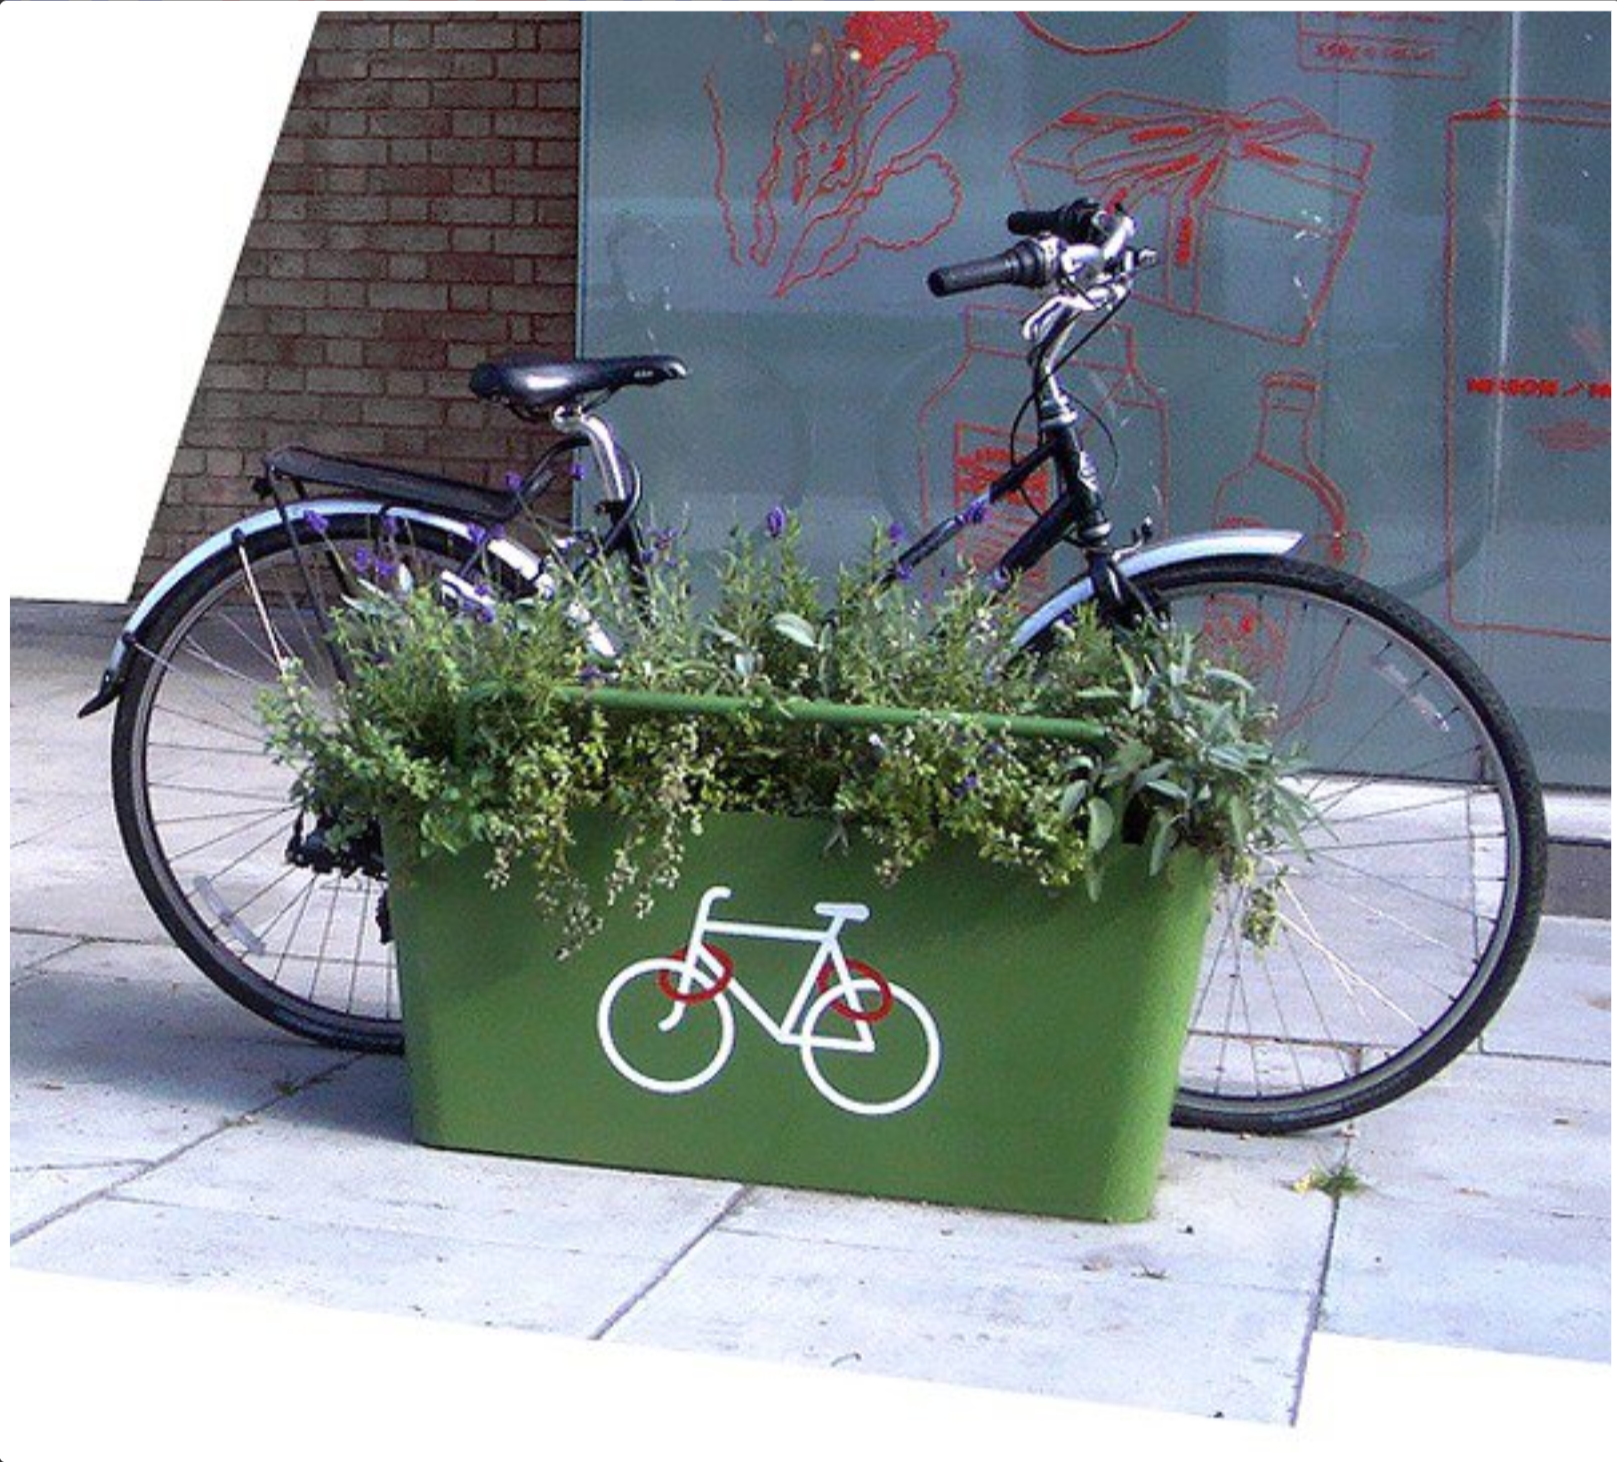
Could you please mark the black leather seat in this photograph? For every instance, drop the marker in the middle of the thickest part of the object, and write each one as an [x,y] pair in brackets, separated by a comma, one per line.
[540,381]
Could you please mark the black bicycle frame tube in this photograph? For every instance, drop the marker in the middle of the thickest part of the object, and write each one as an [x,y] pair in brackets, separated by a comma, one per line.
[1077,508]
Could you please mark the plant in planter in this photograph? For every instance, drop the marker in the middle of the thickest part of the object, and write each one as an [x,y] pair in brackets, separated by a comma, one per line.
[1009,828]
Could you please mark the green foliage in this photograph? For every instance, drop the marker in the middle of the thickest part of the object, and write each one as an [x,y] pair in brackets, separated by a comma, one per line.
[1339,1180]
[451,730]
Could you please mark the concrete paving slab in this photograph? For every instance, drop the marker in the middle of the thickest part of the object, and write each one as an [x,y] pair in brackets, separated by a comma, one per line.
[1226,1215]
[341,1149]
[129,960]
[103,1071]
[1523,1136]
[1049,1328]
[29,950]
[306,1260]
[1479,1276]
[77,882]
[40,1193]
[37,815]
[1561,1005]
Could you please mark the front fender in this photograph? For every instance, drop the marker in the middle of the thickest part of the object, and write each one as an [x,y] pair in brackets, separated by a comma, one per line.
[1132,563]
[224,542]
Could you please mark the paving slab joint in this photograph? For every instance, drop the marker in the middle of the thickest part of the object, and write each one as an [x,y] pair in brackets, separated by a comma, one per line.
[1316,1302]
[622,1311]
[284,1090]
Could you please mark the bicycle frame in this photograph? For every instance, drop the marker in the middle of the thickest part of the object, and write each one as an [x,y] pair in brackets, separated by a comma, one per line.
[788,1030]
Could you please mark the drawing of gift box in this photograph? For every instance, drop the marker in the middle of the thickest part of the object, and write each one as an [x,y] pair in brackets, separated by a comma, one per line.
[1252,211]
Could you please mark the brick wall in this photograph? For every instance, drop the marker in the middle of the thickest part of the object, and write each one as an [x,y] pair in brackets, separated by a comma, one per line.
[420,214]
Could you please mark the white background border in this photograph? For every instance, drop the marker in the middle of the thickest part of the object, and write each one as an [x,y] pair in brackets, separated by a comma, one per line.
[134,139]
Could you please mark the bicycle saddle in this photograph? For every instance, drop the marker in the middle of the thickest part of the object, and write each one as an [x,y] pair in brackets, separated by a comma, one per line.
[852,913]
[538,381]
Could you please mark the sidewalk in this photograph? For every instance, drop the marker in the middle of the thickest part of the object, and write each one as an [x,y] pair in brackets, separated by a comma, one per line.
[159,1133]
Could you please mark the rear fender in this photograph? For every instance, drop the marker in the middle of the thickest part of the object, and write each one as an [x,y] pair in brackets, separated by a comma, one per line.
[1132,563]
[225,542]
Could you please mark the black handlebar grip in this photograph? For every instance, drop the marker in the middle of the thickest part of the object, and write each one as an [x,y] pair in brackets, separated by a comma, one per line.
[1019,264]
[1072,222]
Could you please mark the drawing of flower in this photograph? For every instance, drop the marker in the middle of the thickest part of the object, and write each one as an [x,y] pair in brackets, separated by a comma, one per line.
[849,161]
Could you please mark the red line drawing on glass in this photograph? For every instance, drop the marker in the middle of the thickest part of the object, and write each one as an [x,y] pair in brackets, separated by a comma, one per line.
[959,457]
[1282,486]
[1417,45]
[1571,436]
[1248,636]
[1257,208]
[849,161]
[1516,441]
[1082,34]
[980,454]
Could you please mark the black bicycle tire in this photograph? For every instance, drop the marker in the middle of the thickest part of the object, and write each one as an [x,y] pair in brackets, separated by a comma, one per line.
[233,976]
[1479,1000]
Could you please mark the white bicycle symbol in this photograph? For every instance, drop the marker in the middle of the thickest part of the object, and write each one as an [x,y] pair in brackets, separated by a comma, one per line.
[699,984]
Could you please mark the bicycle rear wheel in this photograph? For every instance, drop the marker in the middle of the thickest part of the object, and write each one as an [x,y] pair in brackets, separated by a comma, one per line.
[207,816]
[1409,918]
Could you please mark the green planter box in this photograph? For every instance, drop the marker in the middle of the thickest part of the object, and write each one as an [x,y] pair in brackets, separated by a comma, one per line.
[963,1037]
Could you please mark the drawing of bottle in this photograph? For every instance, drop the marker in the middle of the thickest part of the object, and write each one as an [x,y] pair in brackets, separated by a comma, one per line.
[1282,486]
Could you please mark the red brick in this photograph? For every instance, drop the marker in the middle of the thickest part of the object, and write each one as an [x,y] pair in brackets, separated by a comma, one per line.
[484,95]
[342,33]
[537,66]
[328,380]
[474,35]
[388,296]
[472,151]
[471,210]
[408,151]
[470,268]
[400,122]
[295,292]
[345,151]
[383,411]
[420,354]
[421,180]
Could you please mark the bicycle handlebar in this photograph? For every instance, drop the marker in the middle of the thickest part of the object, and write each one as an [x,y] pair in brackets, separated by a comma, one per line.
[1023,264]
[1073,223]
[1061,242]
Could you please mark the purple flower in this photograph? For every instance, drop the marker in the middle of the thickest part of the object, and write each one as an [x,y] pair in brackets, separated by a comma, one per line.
[776,521]
[976,511]
[591,675]
[965,787]
[364,559]
[514,481]
[319,522]
[903,573]
[479,536]
[485,611]
[895,533]
[576,471]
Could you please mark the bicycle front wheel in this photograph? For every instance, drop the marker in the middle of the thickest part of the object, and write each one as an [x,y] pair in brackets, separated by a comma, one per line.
[207,816]
[1407,919]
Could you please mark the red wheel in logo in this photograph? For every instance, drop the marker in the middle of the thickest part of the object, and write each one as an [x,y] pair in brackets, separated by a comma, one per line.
[860,971]
[696,997]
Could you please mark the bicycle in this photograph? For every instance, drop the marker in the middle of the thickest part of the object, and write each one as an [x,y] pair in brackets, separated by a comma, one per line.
[1403,926]
[699,981]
